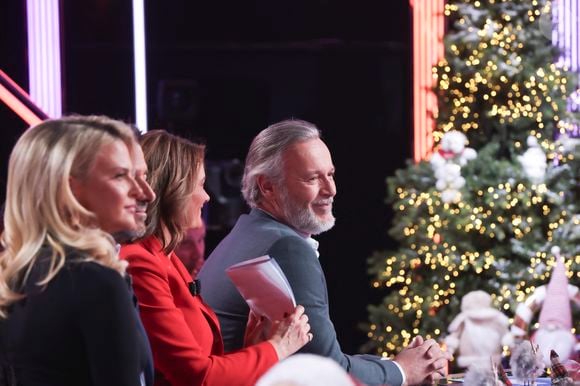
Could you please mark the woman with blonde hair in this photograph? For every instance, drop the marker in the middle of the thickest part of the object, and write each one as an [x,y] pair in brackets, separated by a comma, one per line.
[184,331]
[66,311]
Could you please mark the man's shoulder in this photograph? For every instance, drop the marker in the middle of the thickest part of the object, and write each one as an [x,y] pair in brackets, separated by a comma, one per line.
[258,222]
[259,218]
[253,235]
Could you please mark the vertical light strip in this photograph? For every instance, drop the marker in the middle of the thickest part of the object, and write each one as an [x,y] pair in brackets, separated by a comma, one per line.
[568,33]
[428,29]
[139,58]
[565,36]
[44,62]
[420,62]
[574,36]
[415,122]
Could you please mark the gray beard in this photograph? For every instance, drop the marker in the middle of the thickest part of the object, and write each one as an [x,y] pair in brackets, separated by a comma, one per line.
[126,237]
[302,218]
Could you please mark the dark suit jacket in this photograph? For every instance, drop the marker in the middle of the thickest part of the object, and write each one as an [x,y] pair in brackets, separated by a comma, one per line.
[259,234]
[184,332]
[80,329]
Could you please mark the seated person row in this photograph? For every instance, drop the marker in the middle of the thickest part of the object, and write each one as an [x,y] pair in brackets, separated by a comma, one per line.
[288,182]
[92,202]
[67,312]
[184,332]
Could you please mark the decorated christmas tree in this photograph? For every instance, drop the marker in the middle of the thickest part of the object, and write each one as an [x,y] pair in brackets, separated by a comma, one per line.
[503,185]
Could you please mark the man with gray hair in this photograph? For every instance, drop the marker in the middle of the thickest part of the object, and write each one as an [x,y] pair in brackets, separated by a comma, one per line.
[289,184]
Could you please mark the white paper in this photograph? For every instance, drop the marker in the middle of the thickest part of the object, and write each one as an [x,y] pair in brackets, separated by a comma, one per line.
[264,286]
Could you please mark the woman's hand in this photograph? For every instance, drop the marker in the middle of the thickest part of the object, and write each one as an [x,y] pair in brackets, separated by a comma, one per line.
[291,334]
[258,329]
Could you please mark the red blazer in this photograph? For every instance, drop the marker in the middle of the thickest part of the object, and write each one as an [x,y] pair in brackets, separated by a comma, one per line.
[183,331]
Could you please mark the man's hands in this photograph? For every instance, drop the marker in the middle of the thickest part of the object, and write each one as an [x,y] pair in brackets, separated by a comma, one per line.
[423,361]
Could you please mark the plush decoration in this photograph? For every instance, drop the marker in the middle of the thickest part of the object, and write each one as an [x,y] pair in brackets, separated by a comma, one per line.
[527,362]
[555,321]
[573,369]
[482,374]
[502,376]
[477,331]
[447,162]
[558,372]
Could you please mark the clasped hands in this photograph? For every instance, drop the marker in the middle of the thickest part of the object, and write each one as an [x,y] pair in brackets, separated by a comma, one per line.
[423,361]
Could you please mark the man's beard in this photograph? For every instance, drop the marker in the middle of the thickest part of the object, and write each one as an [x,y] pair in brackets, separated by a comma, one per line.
[302,218]
[128,236]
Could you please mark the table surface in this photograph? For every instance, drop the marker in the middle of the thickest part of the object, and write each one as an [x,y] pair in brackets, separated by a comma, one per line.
[452,379]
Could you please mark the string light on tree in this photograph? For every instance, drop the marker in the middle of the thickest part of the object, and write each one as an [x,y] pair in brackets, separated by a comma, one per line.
[498,86]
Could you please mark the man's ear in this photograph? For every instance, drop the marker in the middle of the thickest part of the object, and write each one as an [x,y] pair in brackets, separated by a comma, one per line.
[265,185]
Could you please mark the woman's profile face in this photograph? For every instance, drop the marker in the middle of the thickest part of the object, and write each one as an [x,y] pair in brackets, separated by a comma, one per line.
[109,189]
[198,198]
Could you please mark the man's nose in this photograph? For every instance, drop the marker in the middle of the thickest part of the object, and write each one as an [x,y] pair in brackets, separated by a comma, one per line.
[329,187]
[147,193]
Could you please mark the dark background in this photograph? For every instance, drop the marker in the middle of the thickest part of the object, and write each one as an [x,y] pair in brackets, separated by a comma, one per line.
[224,70]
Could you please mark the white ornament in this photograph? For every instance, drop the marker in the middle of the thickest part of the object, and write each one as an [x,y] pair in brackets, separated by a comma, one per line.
[477,331]
[447,162]
[481,374]
[437,160]
[458,183]
[568,144]
[450,196]
[454,141]
[526,362]
[467,155]
[534,161]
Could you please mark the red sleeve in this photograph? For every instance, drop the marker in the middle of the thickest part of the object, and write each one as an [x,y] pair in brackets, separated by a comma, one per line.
[182,340]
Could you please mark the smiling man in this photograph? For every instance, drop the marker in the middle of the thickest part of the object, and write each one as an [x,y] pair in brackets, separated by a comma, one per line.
[147,195]
[144,198]
[289,184]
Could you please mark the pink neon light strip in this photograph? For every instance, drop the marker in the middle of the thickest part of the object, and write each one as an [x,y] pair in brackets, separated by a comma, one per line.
[18,107]
[44,63]
[19,101]
[428,29]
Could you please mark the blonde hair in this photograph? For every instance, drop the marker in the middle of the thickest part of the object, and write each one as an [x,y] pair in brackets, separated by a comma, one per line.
[173,163]
[41,210]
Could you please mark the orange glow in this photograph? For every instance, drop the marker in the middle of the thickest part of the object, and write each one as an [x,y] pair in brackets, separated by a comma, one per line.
[428,30]
[18,107]
[13,84]
[16,104]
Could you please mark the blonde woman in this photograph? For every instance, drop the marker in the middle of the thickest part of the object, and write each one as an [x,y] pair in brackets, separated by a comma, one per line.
[184,331]
[66,310]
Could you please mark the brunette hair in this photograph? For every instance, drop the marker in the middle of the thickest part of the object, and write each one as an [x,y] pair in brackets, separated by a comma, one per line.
[173,163]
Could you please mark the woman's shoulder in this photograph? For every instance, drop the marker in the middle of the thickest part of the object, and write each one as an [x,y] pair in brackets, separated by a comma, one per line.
[94,285]
[146,252]
[93,274]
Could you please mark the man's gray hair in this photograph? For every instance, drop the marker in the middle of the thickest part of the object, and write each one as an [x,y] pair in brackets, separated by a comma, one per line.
[266,150]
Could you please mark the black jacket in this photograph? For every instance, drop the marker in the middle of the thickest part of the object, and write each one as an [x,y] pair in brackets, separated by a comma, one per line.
[80,329]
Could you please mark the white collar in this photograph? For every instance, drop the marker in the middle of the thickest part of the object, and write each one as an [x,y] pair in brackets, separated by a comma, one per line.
[314,244]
